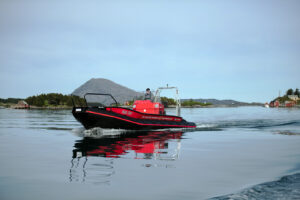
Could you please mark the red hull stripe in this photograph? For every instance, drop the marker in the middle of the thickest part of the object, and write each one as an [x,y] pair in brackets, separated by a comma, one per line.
[182,126]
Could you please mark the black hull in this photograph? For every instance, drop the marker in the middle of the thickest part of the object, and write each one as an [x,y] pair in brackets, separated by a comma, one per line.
[91,117]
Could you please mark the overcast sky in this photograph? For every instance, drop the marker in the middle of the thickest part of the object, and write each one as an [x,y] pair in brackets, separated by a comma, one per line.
[242,50]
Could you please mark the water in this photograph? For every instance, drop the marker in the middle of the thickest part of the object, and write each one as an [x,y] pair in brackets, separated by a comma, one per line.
[234,153]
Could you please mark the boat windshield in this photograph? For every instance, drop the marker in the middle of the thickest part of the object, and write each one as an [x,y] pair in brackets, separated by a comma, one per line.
[100,100]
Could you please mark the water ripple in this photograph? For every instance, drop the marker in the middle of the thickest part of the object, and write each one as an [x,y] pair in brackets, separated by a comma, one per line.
[288,187]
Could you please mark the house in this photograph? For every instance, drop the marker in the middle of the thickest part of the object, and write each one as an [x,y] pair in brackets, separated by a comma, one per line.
[274,103]
[294,97]
[22,105]
[289,103]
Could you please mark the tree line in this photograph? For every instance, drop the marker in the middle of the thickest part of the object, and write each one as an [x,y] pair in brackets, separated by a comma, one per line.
[191,102]
[10,100]
[292,92]
[54,99]
[167,101]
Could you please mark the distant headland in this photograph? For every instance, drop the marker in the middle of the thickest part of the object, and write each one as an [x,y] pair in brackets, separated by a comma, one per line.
[290,99]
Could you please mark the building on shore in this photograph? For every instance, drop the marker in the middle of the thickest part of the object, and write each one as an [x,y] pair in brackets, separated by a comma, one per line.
[22,105]
[294,97]
[274,104]
[290,103]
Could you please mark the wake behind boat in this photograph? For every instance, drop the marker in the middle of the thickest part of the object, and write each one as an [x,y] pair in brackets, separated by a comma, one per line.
[145,114]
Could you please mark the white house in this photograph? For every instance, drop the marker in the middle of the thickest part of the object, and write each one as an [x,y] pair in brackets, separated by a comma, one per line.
[294,97]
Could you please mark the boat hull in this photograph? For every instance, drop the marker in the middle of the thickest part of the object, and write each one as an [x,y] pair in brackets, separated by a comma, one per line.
[91,117]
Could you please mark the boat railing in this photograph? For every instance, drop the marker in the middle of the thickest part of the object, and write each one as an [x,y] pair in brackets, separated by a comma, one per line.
[177,99]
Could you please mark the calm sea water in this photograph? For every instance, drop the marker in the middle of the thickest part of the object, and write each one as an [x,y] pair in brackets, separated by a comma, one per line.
[235,153]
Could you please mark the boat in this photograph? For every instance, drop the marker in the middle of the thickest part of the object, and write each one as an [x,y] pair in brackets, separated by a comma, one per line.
[144,115]
[267,105]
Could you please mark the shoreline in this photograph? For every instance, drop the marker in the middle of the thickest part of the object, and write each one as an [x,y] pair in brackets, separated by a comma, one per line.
[130,107]
[38,108]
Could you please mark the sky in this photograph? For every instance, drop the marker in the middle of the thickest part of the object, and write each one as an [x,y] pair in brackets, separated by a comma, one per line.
[241,50]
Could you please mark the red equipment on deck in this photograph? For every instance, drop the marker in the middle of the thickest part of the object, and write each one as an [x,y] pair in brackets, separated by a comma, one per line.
[147,106]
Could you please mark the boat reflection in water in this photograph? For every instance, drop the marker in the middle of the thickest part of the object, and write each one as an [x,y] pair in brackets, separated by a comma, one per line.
[112,144]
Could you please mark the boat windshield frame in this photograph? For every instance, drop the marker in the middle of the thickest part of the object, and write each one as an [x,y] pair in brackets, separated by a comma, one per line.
[100,94]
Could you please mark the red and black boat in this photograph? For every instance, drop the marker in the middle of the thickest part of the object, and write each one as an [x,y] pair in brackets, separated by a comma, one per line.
[145,115]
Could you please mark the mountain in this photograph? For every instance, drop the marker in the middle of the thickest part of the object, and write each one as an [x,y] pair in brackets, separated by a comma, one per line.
[105,86]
